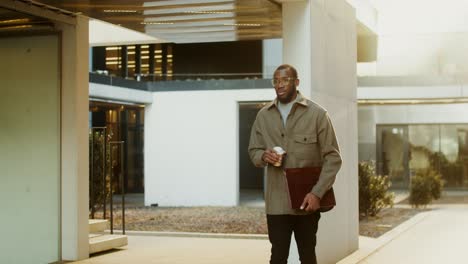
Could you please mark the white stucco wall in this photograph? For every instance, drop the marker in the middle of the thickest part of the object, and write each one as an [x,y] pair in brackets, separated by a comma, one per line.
[191,146]
[416,38]
[413,92]
[108,92]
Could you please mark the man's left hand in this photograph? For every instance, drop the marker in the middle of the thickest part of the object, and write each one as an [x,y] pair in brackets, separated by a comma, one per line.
[311,203]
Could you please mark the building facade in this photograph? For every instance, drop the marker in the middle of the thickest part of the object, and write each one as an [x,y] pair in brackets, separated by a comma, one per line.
[319,38]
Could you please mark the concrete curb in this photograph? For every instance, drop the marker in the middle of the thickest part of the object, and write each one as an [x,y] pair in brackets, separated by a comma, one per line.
[374,245]
[192,234]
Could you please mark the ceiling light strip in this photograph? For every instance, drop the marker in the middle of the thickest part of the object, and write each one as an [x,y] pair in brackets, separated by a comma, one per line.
[15,21]
[157,23]
[41,10]
[412,101]
[119,11]
[243,25]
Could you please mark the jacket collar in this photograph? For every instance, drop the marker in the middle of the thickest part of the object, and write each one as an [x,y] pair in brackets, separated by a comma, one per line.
[300,99]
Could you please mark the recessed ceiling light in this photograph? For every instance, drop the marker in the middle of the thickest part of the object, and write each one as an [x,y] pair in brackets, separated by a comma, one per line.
[207,12]
[12,21]
[412,101]
[119,11]
[244,25]
[156,23]
[15,27]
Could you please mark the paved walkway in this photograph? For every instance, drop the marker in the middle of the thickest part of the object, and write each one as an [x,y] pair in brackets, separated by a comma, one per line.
[441,236]
[436,236]
[183,250]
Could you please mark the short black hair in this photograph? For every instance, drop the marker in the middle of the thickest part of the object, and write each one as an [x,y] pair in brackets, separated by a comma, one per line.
[287,67]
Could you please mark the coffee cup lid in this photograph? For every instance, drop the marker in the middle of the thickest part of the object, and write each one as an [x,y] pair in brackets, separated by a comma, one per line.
[279,150]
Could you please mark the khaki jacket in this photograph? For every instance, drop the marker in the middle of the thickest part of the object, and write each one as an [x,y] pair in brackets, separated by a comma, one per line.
[308,139]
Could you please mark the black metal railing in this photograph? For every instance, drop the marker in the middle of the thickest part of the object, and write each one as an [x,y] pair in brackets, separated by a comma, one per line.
[109,147]
[122,185]
[196,84]
[141,77]
[91,171]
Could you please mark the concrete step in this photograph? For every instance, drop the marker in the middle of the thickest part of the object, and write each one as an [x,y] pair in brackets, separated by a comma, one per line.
[104,242]
[97,225]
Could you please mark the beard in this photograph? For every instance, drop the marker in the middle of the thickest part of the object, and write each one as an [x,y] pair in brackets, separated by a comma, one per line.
[288,96]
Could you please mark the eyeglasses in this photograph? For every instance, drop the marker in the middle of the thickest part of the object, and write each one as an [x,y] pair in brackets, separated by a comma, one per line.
[283,81]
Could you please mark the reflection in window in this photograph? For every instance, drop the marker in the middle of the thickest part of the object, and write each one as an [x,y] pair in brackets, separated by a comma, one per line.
[449,142]
[439,147]
[392,159]
[424,141]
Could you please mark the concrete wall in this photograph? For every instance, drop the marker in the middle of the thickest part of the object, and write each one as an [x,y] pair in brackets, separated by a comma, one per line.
[72,108]
[319,37]
[191,146]
[75,138]
[366,13]
[30,150]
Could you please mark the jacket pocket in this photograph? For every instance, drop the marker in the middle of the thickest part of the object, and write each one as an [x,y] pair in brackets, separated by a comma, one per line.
[305,138]
[306,147]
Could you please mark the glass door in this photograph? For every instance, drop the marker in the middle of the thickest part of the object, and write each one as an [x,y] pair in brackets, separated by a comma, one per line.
[463,154]
[393,154]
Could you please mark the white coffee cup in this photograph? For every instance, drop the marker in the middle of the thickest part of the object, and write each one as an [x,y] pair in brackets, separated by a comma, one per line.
[280,151]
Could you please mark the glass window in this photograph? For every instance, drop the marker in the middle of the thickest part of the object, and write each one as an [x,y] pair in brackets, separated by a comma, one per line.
[452,164]
[424,143]
[392,156]
[403,151]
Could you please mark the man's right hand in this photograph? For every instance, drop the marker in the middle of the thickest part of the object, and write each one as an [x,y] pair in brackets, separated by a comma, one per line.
[270,156]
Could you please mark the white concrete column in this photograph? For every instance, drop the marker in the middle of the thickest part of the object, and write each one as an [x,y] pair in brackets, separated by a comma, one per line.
[297,40]
[75,181]
[319,39]
[272,56]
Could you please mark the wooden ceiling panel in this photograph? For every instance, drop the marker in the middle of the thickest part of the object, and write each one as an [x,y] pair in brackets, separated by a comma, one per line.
[197,19]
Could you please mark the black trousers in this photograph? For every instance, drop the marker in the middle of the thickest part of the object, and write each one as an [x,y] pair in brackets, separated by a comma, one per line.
[280,229]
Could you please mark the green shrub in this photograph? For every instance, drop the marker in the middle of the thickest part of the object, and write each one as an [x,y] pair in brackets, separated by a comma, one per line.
[426,186]
[373,190]
[99,186]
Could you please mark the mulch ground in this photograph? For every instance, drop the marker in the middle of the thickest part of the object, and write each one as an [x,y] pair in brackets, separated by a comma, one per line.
[248,220]
[386,220]
[236,220]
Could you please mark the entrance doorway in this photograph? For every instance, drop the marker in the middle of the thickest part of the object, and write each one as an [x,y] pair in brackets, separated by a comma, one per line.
[122,122]
[251,178]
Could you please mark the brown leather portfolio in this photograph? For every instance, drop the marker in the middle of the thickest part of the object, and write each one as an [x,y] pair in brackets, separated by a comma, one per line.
[301,181]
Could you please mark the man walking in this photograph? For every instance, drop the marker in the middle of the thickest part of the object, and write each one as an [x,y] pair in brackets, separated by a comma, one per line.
[303,129]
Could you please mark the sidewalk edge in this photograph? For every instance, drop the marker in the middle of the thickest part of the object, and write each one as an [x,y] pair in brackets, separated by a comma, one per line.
[363,252]
[193,234]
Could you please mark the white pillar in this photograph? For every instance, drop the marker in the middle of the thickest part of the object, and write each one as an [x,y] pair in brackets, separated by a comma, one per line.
[272,56]
[75,181]
[319,39]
